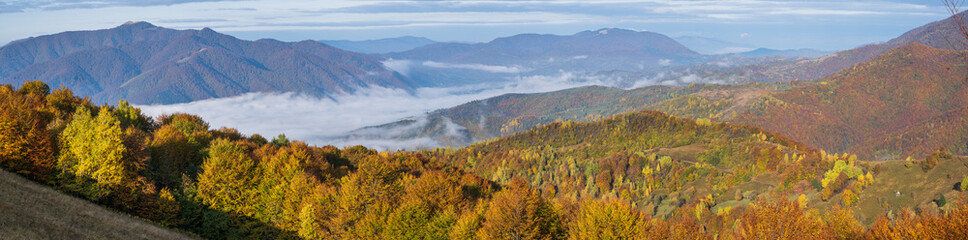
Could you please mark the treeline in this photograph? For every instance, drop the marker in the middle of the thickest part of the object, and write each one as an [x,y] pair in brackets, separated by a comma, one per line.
[177,171]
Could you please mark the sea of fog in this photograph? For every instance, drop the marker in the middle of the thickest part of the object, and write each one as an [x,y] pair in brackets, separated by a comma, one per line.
[321,121]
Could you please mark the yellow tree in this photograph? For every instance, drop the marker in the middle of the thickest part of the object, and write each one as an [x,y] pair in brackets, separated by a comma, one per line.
[92,152]
[520,213]
[607,220]
[228,178]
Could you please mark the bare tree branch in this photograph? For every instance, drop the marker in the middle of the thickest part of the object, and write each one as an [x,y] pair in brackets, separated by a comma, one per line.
[954,8]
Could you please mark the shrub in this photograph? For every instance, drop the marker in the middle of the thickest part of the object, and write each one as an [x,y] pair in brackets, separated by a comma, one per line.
[964,184]
[833,187]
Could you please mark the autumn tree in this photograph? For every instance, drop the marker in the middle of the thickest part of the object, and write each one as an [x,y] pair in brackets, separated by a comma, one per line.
[519,212]
[284,185]
[25,145]
[228,178]
[780,220]
[366,197]
[608,220]
[176,147]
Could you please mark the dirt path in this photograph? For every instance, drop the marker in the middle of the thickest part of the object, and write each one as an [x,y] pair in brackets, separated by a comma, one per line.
[32,211]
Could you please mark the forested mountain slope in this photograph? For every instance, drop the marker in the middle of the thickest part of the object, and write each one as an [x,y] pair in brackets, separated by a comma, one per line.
[942,34]
[632,175]
[871,106]
[146,64]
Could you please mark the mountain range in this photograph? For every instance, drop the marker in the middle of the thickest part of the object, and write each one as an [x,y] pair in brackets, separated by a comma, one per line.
[909,101]
[587,51]
[146,64]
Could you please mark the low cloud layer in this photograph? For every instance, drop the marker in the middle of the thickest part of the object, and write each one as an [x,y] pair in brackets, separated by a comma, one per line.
[476,66]
[321,121]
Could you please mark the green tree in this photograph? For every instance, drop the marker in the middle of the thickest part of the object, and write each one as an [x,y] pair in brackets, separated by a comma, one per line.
[280,140]
[132,117]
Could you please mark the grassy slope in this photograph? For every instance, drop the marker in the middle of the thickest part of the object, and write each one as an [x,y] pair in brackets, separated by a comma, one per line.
[32,211]
[918,188]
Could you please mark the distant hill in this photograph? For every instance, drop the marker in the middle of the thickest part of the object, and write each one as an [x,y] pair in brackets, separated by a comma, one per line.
[34,211]
[146,64]
[712,46]
[511,113]
[940,34]
[588,51]
[908,101]
[385,45]
[803,52]
[874,106]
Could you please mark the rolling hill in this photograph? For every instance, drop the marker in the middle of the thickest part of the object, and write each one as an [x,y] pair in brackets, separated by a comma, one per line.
[869,107]
[661,163]
[146,64]
[511,113]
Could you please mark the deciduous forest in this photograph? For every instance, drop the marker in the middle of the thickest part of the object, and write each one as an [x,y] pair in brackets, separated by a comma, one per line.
[640,175]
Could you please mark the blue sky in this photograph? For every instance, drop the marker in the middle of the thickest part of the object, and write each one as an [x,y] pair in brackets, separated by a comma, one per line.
[828,25]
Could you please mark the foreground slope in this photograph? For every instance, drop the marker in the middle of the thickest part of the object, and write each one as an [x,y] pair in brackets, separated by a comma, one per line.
[34,211]
[146,64]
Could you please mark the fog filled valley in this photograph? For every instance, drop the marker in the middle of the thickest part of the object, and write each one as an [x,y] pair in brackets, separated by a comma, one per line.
[485,120]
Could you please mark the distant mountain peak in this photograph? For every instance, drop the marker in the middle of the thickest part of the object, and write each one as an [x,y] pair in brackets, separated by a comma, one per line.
[137,24]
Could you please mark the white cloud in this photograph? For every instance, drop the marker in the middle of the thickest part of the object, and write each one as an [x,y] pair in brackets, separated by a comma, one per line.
[665,62]
[400,66]
[476,66]
[320,120]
